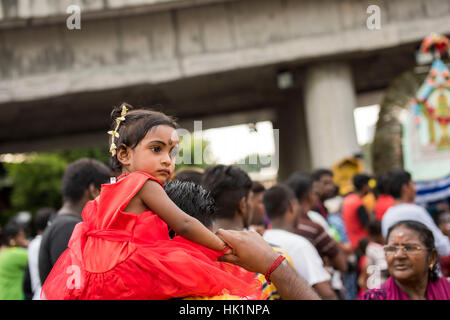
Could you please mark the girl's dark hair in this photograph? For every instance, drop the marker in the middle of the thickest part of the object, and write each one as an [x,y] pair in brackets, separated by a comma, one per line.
[136,125]
[426,237]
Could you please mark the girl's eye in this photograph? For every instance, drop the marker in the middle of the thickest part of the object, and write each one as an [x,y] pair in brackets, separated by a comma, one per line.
[155,148]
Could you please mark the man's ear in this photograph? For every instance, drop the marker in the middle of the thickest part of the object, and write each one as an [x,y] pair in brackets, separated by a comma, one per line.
[93,191]
[123,154]
[242,210]
[291,208]
[404,190]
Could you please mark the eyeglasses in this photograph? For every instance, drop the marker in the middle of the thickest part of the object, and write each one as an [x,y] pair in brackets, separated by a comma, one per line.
[407,248]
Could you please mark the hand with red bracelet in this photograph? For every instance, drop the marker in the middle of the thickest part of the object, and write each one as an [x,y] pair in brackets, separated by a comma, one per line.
[250,250]
[253,253]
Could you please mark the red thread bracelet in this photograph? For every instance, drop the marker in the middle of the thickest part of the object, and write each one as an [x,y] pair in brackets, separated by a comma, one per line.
[272,268]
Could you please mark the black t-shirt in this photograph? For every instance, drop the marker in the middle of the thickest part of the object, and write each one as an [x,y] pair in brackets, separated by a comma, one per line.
[54,241]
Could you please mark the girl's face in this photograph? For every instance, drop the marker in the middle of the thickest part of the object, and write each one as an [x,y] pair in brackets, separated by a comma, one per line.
[155,154]
[406,255]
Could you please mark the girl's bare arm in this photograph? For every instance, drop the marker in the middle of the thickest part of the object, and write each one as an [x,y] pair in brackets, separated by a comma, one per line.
[155,198]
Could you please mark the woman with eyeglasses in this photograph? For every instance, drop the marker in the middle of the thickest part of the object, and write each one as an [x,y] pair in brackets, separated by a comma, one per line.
[413,266]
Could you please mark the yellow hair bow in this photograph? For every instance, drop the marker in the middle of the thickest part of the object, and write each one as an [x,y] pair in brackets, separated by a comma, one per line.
[115,133]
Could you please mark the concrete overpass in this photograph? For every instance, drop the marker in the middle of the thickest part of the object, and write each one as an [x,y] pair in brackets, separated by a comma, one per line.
[215,61]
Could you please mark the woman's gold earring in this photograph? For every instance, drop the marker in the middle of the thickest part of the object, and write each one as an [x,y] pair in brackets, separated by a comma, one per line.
[431,266]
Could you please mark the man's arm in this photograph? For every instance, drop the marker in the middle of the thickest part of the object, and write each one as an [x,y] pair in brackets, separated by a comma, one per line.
[253,253]
[328,247]
[59,241]
[26,284]
[363,216]
[325,291]
[339,261]
[290,285]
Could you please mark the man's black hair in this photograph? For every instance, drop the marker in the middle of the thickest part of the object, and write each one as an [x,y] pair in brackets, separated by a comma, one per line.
[374,228]
[42,217]
[382,184]
[228,185]
[189,175]
[193,199]
[258,187]
[276,200]
[397,179]
[301,184]
[317,174]
[80,174]
[360,180]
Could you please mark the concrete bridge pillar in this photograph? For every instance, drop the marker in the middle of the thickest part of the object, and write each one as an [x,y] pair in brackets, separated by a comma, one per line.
[329,103]
[293,142]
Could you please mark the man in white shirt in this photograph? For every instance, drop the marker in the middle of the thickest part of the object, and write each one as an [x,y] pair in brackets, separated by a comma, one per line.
[402,188]
[230,187]
[40,222]
[282,208]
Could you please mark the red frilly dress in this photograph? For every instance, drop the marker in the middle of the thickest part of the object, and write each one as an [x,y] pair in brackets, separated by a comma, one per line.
[114,254]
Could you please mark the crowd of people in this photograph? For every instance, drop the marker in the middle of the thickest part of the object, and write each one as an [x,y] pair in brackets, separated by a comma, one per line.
[141,230]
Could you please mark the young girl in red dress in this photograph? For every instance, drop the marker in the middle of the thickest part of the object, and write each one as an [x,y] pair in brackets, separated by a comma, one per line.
[122,249]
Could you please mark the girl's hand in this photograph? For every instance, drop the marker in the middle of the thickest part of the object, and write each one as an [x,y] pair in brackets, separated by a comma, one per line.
[250,250]
[227,250]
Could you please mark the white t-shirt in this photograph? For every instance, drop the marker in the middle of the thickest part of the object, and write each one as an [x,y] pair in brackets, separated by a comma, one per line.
[305,257]
[33,258]
[409,211]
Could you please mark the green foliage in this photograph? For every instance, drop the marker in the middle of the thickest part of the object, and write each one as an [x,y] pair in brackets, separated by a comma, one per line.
[36,182]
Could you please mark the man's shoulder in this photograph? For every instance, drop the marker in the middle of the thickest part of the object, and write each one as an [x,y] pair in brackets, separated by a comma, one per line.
[406,208]
[60,224]
[352,200]
[283,237]
[61,219]
[35,243]
[307,226]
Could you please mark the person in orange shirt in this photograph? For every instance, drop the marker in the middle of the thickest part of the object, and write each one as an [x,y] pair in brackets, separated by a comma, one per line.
[354,214]
[384,199]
